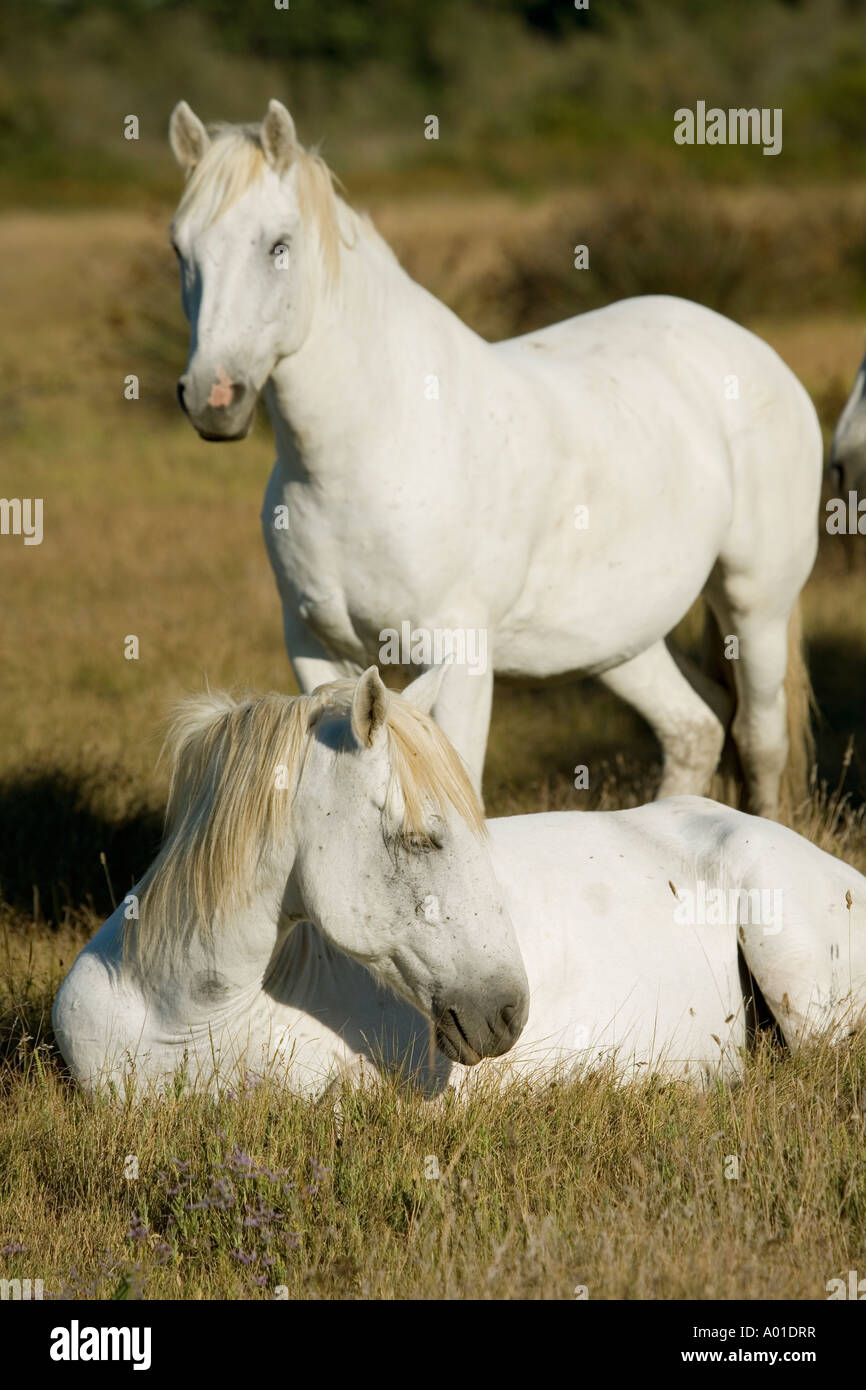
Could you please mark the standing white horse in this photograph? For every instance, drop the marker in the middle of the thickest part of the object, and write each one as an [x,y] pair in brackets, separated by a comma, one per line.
[565,496]
[637,929]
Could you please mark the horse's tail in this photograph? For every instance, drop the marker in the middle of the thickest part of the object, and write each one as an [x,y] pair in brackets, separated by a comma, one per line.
[799,702]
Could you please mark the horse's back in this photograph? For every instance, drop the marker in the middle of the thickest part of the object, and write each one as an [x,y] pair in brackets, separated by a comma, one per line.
[646,326]
[687,364]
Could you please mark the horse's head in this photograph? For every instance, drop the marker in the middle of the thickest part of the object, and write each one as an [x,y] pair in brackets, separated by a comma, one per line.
[348,808]
[256,233]
[848,450]
[391,862]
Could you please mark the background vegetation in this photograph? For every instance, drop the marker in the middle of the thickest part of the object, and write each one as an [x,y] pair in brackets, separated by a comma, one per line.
[531,94]
[555,128]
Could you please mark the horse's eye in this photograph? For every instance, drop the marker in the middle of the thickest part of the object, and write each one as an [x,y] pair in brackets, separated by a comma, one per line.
[412,842]
[280,246]
[424,842]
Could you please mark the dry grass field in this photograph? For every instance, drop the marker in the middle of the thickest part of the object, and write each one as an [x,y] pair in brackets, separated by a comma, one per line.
[149,531]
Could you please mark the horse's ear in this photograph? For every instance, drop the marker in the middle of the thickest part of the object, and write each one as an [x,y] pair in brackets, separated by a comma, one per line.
[423,692]
[279,141]
[369,708]
[187,137]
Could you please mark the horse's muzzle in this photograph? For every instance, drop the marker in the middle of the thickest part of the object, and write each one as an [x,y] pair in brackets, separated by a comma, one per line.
[464,1034]
[229,420]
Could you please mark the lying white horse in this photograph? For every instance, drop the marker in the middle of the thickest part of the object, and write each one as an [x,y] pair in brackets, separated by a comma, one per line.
[349,810]
[546,505]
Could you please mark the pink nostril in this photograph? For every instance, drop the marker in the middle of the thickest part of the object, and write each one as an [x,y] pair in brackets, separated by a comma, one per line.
[221,391]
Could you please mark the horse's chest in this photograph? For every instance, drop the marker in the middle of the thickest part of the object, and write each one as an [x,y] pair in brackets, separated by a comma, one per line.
[339,591]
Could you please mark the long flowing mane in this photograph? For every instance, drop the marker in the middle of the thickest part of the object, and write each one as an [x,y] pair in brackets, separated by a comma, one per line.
[234,768]
[235,160]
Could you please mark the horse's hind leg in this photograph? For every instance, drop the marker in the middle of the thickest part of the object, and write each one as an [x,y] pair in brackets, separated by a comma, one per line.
[808,958]
[759,661]
[690,732]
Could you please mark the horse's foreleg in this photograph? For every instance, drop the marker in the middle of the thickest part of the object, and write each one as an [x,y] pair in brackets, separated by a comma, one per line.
[311,663]
[691,734]
[462,711]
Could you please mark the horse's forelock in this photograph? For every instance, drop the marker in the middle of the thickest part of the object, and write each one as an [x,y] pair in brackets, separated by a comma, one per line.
[235,160]
[428,774]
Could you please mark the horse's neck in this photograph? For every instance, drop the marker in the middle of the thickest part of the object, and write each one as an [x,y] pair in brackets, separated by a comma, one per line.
[218,971]
[305,969]
[375,338]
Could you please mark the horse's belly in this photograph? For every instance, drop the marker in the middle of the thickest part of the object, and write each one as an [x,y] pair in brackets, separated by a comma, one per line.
[599,614]
[628,544]
[645,1025]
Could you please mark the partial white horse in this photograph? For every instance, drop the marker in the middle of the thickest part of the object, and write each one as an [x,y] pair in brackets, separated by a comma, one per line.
[645,933]
[848,449]
[638,930]
[307,839]
[550,504]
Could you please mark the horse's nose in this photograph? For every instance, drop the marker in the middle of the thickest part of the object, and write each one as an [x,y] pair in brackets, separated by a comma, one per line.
[181,391]
[508,1025]
[240,391]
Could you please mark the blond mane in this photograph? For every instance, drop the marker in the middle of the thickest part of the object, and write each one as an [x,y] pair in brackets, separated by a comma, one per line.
[234,768]
[235,160]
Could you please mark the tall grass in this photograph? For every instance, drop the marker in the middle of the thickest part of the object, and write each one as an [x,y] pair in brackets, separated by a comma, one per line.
[658,1190]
